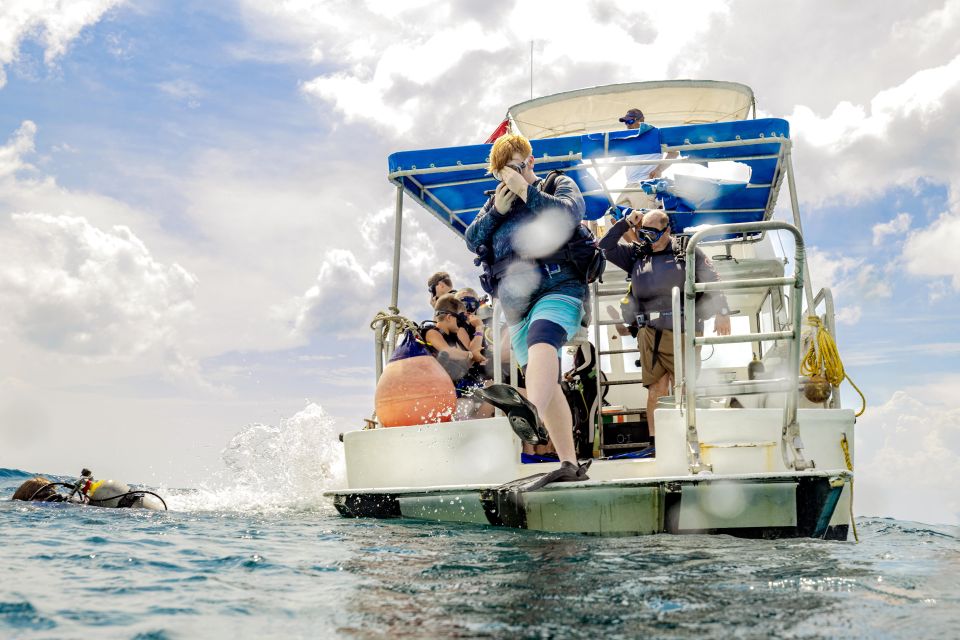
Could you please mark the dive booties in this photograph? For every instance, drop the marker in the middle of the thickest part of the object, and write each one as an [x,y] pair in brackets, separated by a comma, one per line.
[521,413]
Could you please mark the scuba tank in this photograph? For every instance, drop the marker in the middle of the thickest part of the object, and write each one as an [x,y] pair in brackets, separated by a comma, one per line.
[119,495]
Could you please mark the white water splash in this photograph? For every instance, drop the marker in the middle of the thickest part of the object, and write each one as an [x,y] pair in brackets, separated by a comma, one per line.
[269,468]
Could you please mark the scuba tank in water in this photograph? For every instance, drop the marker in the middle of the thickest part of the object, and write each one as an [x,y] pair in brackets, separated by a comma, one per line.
[119,495]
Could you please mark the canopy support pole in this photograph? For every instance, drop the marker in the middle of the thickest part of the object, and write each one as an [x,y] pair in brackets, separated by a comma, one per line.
[495,326]
[795,207]
[395,285]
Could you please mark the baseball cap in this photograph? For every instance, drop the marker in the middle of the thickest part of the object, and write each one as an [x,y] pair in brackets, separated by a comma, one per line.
[632,114]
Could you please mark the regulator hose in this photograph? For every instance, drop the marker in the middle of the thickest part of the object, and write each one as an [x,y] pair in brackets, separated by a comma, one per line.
[138,492]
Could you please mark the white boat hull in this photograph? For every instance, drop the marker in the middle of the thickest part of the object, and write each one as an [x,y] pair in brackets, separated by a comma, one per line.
[463,472]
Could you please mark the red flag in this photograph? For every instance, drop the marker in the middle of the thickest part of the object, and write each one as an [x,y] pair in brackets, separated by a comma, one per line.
[502,129]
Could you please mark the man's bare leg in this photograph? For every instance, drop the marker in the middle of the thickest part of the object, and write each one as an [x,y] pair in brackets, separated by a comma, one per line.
[544,392]
[656,391]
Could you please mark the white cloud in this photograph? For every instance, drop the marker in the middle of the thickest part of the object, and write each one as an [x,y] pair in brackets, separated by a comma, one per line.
[449,71]
[895,227]
[343,299]
[185,91]
[903,135]
[20,144]
[932,251]
[852,281]
[354,279]
[908,457]
[72,288]
[53,23]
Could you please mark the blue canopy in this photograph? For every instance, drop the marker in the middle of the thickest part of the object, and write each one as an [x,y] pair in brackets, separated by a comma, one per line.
[450,181]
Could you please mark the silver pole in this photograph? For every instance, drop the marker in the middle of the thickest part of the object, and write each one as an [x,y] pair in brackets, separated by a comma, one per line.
[395,285]
[689,356]
[597,433]
[531,69]
[378,349]
[677,348]
[497,340]
[795,207]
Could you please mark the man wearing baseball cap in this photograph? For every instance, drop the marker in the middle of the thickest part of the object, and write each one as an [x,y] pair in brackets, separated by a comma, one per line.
[633,119]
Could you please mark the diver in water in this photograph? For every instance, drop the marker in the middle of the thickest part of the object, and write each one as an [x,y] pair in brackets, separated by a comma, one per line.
[87,491]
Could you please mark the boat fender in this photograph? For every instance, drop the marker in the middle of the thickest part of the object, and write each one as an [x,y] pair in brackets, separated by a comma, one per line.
[414,388]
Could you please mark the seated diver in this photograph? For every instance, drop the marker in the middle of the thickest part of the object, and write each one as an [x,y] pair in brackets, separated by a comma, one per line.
[460,353]
[87,491]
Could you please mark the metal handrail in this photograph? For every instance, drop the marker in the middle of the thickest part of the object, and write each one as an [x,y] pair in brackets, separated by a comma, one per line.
[825,295]
[790,433]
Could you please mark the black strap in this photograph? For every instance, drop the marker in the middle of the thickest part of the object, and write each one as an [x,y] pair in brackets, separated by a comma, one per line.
[657,336]
[549,185]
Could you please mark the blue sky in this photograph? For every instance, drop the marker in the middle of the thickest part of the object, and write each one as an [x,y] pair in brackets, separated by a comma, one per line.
[220,169]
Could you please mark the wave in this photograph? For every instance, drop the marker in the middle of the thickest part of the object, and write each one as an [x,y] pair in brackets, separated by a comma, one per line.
[273,467]
[893,527]
[15,473]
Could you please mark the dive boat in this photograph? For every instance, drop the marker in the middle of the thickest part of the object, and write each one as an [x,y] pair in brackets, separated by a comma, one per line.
[738,451]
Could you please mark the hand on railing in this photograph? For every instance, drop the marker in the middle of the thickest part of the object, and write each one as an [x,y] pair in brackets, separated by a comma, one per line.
[721,324]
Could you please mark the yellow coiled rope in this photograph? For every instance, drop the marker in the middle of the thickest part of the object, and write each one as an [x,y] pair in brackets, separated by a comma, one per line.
[822,358]
[846,457]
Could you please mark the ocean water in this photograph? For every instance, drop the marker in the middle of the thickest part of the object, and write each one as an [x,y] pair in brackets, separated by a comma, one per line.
[260,553]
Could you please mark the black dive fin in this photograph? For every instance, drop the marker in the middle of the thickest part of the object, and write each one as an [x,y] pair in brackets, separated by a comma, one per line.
[520,412]
[568,472]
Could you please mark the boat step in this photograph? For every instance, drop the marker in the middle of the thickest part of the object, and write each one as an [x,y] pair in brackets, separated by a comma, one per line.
[617,292]
[626,445]
[624,412]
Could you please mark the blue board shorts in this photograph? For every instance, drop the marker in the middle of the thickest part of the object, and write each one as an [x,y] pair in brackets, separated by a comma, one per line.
[565,311]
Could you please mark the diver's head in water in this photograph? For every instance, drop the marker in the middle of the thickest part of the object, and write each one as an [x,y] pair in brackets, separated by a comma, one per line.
[37,488]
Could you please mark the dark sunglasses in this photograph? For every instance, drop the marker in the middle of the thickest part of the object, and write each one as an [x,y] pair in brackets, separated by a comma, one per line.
[440,314]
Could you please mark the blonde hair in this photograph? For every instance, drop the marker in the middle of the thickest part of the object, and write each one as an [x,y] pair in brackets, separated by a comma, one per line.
[465,292]
[503,149]
[449,303]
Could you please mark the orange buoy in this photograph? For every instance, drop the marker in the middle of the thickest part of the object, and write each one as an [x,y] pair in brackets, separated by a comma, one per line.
[414,389]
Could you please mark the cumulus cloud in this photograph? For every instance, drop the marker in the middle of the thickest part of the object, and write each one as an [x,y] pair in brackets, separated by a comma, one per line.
[73,288]
[896,227]
[902,135]
[20,144]
[449,71]
[852,280]
[908,457]
[352,285]
[932,252]
[52,23]
[342,299]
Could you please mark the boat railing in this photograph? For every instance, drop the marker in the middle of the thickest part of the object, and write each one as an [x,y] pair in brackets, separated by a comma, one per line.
[828,317]
[688,391]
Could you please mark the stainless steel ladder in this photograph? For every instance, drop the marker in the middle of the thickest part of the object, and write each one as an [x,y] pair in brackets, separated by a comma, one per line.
[791,444]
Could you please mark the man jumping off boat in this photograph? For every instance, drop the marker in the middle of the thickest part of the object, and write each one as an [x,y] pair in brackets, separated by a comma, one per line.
[543,301]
